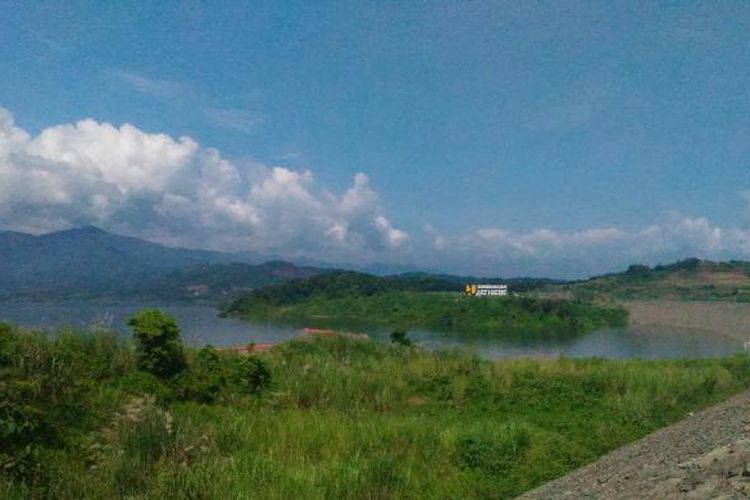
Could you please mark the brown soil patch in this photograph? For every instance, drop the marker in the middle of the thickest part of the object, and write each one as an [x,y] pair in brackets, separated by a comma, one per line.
[726,278]
[722,318]
[247,349]
[307,334]
[323,332]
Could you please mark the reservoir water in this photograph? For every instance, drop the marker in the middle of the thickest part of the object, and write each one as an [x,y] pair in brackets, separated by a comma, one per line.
[201,325]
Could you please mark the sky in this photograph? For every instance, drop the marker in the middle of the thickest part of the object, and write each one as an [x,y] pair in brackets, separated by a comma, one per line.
[560,139]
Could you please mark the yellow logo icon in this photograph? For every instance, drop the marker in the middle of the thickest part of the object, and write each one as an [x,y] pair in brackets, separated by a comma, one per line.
[470,289]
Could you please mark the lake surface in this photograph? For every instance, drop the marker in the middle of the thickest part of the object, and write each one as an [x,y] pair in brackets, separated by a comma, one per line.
[201,325]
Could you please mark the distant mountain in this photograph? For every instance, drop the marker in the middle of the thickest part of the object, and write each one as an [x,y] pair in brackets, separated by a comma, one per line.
[375,268]
[90,261]
[222,281]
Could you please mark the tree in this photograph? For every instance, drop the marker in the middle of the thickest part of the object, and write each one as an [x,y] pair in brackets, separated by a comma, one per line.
[256,374]
[157,343]
[400,337]
[638,269]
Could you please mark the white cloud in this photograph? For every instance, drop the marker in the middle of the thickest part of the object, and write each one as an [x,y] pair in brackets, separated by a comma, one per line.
[187,96]
[236,119]
[146,85]
[173,189]
[393,237]
[495,251]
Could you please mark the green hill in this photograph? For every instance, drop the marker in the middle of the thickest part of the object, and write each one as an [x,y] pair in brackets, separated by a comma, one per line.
[689,279]
[414,302]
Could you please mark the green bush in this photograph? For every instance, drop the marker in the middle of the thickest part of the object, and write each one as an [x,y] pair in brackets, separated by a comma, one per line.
[400,337]
[6,338]
[255,374]
[44,393]
[157,343]
[205,379]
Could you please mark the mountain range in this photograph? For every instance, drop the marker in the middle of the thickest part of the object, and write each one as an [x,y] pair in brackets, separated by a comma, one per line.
[89,261]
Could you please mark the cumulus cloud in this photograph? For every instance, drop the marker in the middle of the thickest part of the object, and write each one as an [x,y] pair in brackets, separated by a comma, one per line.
[174,190]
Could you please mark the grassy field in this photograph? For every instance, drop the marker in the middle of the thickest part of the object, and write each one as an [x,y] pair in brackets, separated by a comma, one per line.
[338,418]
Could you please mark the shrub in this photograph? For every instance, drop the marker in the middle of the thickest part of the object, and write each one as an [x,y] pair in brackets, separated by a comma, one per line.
[400,337]
[42,396]
[205,379]
[141,433]
[157,342]
[255,375]
[6,338]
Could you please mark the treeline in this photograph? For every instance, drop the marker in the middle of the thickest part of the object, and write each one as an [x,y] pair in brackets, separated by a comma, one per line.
[340,284]
[336,285]
[417,302]
[688,265]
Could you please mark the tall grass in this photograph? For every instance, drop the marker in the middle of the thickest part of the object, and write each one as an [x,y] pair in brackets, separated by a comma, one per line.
[343,418]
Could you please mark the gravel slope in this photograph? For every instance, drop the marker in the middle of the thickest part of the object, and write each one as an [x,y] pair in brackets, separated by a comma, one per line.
[706,455]
[724,318]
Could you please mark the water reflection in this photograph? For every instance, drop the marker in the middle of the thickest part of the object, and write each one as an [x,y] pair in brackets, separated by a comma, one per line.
[630,342]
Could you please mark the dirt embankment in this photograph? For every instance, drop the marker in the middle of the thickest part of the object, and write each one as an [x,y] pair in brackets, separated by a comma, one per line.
[305,333]
[724,318]
[706,455]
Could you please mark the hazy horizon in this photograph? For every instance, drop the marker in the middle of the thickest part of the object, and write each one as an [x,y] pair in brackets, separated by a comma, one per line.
[374,267]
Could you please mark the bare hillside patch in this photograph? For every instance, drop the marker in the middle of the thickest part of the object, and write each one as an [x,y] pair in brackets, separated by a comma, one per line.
[722,318]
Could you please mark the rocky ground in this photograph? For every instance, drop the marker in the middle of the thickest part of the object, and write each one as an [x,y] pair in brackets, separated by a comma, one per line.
[723,318]
[706,455]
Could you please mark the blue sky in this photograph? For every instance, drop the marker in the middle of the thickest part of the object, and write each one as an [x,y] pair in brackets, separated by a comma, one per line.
[495,137]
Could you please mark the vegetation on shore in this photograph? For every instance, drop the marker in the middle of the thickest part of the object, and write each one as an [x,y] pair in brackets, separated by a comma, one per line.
[91,416]
[403,303]
[688,279]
